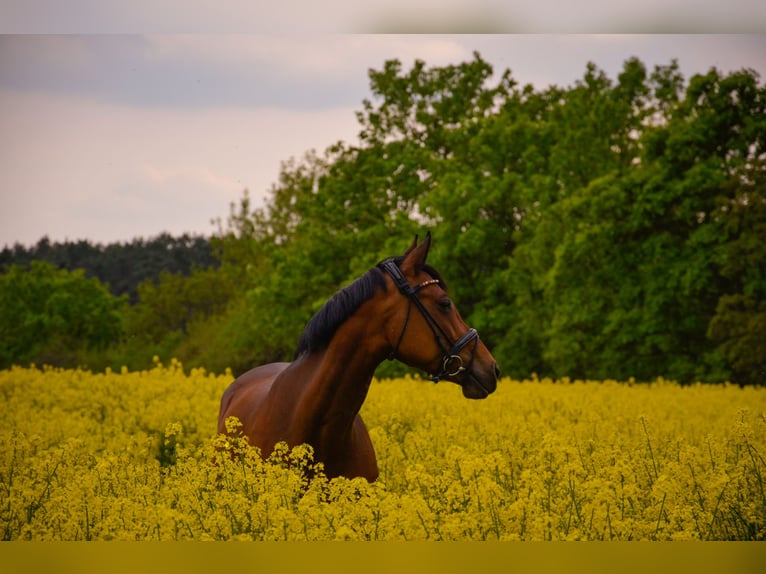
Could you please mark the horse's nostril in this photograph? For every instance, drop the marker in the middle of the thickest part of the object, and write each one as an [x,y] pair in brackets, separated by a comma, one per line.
[497,371]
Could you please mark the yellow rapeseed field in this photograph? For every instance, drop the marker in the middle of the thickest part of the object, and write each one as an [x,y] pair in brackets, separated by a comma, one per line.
[135,456]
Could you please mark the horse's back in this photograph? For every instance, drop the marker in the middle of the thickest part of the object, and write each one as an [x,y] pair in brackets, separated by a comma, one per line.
[243,396]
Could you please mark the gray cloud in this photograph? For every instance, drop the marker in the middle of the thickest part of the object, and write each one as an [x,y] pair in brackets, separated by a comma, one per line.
[290,16]
[252,71]
[325,71]
[168,71]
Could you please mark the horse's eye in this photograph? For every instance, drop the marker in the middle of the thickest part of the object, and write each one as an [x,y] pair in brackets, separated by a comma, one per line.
[444,303]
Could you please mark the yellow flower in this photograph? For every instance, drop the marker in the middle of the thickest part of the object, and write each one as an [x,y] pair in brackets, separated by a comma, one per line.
[136,456]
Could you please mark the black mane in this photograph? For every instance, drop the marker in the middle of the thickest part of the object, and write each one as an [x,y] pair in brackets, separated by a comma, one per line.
[321,327]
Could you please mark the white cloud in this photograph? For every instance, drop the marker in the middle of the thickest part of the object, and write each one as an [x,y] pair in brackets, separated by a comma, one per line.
[181,176]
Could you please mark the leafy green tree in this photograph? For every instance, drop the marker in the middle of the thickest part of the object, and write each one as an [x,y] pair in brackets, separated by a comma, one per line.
[122,266]
[636,277]
[176,301]
[48,315]
[608,229]
[738,327]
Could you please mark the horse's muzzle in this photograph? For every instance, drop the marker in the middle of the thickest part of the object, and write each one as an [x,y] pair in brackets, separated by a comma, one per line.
[478,383]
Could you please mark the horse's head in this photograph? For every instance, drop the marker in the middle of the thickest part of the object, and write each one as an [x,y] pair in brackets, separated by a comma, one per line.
[426,330]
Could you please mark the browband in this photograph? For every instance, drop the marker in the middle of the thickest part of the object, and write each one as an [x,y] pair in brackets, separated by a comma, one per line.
[390,266]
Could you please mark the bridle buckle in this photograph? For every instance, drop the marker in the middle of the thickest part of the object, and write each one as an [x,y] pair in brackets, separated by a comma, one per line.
[450,369]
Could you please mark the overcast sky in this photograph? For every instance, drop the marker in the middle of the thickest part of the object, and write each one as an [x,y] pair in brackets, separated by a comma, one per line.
[111,137]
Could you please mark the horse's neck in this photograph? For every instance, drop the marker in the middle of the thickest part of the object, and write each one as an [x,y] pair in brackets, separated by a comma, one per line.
[335,381]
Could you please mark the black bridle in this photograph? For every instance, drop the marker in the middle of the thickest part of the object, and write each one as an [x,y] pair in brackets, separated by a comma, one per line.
[452,363]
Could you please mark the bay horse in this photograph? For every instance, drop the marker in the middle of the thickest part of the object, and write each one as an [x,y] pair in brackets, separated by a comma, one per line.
[316,398]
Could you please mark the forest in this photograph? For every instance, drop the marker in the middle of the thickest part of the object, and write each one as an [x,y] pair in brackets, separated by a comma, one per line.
[611,229]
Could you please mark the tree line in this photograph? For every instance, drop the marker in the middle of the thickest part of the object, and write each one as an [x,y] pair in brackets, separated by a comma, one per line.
[613,228]
[121,266]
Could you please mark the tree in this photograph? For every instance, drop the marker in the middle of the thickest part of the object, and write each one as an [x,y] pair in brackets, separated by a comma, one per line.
[48,315]
[176,301]
[121,266]
[738,327]
[647,257]
[608,229]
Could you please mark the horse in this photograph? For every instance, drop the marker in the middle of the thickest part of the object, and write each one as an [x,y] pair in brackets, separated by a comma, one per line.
[316,398]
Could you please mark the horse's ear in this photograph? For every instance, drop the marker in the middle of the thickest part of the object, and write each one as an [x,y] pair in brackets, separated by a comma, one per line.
[412,246]
[415,256]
